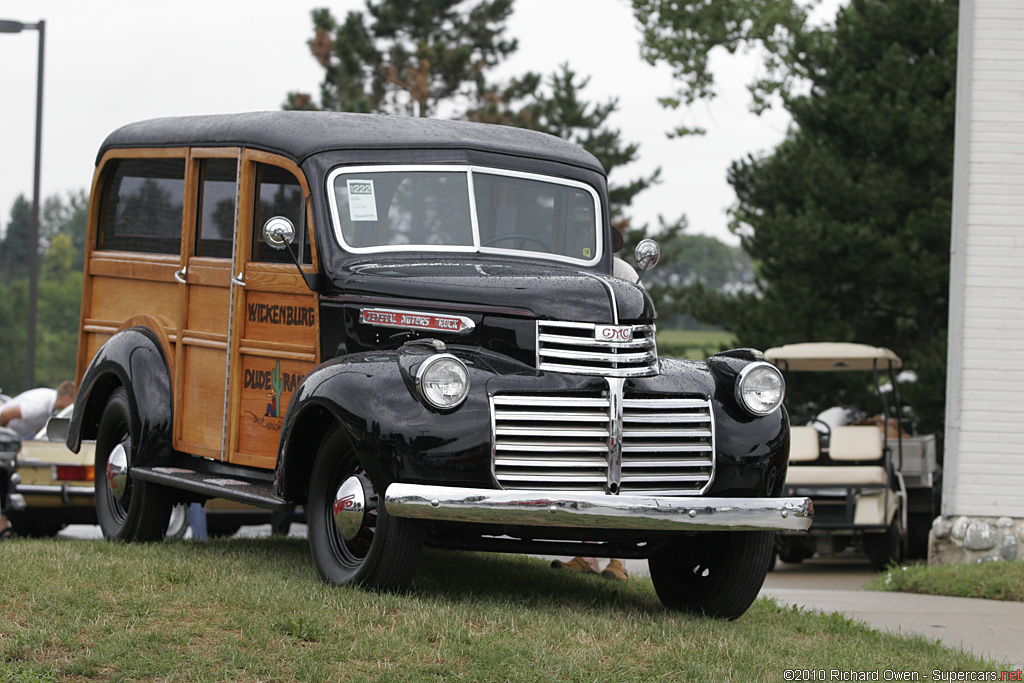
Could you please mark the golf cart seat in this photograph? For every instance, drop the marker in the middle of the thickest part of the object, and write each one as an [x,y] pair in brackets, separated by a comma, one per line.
[803,444]
[860,444]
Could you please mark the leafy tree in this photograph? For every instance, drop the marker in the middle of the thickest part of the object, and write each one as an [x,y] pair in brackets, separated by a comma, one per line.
[848,219]
[62,229]
[407,56]
[684,34]
[69,216]
[13,313]
[60,305]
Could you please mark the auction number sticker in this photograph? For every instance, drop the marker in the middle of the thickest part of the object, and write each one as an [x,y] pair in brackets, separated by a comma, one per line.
[362,201]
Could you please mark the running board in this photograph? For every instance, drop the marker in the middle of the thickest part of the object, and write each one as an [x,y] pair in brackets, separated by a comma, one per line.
[215,485]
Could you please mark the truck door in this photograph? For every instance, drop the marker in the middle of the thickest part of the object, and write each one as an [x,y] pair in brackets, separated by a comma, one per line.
[201,357]
[275,339]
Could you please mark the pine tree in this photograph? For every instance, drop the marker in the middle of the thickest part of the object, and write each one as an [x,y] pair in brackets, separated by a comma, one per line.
[16,248]
[848,220]
[408,57]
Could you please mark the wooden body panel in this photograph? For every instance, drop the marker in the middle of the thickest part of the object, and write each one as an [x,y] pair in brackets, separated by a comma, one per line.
[276,335]
[236,347]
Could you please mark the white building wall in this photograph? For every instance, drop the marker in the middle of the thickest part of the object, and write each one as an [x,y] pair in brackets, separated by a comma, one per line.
[984,462]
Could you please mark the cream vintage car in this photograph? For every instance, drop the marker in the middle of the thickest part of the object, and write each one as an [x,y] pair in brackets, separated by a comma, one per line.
[51,486]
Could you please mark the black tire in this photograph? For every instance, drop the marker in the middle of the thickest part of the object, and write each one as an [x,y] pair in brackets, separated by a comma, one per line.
[717,573]
[35,528]
[384,553]
[791,556]
[144,510]
[885,548]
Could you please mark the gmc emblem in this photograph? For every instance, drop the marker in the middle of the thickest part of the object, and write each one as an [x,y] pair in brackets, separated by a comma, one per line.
[613,333]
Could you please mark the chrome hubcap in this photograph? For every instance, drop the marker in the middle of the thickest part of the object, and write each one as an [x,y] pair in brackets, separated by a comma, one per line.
[349,508]
[117,471]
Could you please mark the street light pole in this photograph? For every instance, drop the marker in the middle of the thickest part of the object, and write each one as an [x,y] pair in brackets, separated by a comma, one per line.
[33,262]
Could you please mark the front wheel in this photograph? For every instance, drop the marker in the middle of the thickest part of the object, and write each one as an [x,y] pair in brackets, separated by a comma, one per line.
[352,537]
[127,509]
[716,573]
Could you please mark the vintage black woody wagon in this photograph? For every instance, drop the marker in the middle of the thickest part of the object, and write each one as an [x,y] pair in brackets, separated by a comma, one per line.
[411,328]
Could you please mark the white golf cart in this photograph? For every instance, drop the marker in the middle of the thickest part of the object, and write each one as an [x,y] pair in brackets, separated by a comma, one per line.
[874,485]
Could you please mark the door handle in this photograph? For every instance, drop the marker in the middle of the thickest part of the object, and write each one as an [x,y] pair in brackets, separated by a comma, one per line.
[179,275]
[237,280]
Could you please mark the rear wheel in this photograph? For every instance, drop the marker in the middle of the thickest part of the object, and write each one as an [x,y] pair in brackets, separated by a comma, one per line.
[352,537]
[127,509]
[716,573]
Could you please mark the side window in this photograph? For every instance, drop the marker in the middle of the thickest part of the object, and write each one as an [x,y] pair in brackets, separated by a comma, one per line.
[141,206]
[216,215]
[278,193]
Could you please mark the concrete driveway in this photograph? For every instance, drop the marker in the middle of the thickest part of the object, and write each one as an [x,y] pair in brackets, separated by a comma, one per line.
[985,628]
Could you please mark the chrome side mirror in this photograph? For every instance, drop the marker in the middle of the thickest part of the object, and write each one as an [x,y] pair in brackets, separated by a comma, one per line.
[646,255]
[278,232]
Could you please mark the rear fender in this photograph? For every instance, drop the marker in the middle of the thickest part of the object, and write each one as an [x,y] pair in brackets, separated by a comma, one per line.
[134,359]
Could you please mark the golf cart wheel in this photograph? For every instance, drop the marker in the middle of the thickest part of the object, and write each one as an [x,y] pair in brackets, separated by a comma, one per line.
[886,548]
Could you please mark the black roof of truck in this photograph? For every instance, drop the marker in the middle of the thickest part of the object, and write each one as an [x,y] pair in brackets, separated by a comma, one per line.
[301,134]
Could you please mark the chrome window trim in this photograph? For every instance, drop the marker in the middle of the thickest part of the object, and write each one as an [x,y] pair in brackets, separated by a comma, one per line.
[476,248]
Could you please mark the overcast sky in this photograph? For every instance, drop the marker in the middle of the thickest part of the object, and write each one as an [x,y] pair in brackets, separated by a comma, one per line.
[110,62]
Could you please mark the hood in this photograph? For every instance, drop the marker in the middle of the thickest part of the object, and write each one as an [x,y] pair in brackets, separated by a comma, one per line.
[531,289]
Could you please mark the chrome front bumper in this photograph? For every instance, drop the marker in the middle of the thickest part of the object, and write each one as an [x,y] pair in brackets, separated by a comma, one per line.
[596,511]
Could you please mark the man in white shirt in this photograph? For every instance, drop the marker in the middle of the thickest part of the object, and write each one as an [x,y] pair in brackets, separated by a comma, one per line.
[28,412]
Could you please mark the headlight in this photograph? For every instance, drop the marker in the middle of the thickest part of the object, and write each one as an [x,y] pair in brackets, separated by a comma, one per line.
[760,388]
[443,381]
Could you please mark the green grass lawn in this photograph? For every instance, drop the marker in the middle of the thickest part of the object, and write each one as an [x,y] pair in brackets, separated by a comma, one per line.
[253,610]
[990,580]
[696,344]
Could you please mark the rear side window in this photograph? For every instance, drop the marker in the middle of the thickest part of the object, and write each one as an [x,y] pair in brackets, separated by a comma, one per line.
[216,214]
[141,206]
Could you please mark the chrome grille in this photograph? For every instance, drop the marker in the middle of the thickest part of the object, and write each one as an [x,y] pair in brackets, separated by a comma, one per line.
[667,445]
[561,443]
[574,348]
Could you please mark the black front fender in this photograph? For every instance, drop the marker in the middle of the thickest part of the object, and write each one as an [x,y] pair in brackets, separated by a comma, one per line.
[133,359]
[393,433]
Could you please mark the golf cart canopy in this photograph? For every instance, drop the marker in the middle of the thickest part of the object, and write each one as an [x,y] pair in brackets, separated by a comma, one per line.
[832,357]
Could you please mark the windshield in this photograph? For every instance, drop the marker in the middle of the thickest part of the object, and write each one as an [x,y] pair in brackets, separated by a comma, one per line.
[464,209]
